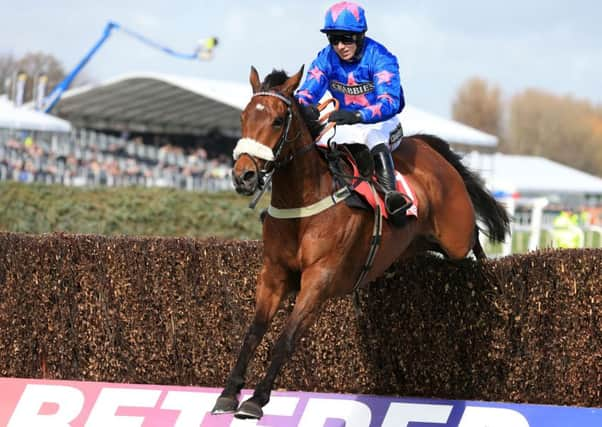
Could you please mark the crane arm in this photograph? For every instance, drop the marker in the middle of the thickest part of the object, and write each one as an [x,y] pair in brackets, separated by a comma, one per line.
[53,98]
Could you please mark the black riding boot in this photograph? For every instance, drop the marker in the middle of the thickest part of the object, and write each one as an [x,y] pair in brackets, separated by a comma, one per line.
[395,202]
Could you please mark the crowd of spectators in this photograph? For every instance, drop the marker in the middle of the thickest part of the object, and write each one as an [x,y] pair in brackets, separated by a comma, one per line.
[87,158]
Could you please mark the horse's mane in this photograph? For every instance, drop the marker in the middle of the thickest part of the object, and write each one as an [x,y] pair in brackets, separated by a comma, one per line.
[277,78]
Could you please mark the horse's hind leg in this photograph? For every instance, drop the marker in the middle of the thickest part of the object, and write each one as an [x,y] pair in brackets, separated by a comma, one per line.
[455,227]
[307,309]
[271,288]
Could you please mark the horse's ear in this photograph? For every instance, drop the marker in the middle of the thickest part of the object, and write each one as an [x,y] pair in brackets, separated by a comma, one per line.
[254,79]
[292,83]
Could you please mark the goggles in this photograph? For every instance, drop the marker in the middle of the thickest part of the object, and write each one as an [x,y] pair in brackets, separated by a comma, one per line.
[347,39]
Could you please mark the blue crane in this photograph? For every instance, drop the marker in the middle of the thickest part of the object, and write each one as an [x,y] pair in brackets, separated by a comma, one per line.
[202,51]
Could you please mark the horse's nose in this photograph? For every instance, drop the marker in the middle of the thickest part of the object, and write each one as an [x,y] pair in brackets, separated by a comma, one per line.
[249,177]
[246,182]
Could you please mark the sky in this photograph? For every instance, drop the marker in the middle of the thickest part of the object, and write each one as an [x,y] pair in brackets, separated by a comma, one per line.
[552,45]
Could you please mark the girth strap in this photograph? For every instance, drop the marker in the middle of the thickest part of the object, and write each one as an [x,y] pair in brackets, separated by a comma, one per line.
[312,209]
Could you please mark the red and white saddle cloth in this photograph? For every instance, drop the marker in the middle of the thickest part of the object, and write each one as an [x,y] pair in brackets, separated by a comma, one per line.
[366,193]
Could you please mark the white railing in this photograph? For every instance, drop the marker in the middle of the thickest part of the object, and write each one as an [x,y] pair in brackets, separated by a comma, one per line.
[532,228]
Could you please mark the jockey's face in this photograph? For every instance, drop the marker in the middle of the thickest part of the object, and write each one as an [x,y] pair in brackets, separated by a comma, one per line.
[344,45]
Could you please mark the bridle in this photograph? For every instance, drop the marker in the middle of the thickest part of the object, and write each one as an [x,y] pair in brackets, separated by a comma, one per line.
[254,149]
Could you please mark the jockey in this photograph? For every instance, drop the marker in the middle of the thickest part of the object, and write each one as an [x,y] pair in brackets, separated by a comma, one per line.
[364,77]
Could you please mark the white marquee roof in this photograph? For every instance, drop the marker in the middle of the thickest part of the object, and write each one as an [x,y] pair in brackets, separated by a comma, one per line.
[24,118]
[530,175]
[166,103]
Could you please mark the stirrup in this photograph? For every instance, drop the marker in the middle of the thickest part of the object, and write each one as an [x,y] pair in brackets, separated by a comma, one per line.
[397,203]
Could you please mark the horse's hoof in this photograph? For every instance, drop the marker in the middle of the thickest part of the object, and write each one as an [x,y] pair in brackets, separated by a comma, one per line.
[225,405]
[249,410]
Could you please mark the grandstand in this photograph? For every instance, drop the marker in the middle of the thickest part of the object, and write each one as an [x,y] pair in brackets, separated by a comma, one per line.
[162,104]
[88,158]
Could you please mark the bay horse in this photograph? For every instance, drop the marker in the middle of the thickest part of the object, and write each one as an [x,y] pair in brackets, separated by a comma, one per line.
[320,255]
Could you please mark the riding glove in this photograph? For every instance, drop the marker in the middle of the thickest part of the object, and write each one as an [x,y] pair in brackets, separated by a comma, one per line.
[310,112]
[345,117]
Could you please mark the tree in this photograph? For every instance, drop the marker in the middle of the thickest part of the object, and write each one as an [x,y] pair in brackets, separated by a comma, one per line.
[34,64]
[7,68]
[479,105]
[596,143]
[37,63]
[559,128]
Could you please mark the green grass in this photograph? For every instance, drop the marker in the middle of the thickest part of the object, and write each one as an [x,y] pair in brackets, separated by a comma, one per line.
[38,208]
[135,211]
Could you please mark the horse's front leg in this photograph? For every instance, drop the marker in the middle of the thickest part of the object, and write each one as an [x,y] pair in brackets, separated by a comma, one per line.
[307,308]
[271,288]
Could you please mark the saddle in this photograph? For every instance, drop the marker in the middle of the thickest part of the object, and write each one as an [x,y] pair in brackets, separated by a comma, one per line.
[352,165]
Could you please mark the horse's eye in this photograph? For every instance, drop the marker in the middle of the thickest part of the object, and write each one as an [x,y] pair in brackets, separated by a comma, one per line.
[278,122]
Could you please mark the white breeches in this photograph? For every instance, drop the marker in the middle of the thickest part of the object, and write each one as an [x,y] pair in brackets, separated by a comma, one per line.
[368,134]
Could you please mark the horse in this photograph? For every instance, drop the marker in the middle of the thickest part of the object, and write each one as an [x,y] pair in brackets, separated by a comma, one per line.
[318,255]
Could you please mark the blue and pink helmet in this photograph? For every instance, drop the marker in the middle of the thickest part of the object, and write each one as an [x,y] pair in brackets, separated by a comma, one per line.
[346,17]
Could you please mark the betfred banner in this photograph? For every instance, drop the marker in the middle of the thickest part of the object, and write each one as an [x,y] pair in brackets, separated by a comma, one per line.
[68,403]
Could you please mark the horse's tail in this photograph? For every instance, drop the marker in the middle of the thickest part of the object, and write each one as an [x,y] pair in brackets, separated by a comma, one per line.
[488,210]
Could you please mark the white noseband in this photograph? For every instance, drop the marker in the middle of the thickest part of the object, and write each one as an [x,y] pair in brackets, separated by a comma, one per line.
[253,148]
